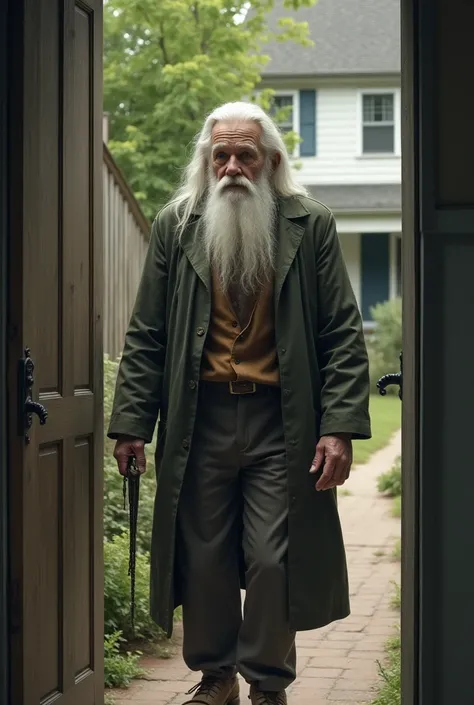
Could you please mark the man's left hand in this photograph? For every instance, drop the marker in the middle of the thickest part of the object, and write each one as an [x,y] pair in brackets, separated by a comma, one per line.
[334,455]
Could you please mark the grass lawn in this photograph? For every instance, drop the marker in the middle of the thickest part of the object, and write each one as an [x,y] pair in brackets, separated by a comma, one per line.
[385,413]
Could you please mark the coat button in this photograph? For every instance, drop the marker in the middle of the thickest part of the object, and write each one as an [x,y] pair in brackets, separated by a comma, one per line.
[283,351]
[200,332]
[234,324]
[237,362]
[185,444]
[192,384]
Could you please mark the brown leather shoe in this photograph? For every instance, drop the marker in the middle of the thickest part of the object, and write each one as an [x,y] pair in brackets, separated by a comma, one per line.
[267,697]
[215,691]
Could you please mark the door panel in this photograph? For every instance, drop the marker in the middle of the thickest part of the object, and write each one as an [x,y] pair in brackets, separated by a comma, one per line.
[56,482]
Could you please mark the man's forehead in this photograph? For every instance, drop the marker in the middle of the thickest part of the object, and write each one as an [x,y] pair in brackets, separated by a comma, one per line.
[236,131]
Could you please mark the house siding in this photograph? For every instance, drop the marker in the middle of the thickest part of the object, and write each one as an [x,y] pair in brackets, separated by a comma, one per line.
[338,133]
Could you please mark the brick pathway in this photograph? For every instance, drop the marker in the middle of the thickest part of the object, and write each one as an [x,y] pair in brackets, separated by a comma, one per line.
[337,665]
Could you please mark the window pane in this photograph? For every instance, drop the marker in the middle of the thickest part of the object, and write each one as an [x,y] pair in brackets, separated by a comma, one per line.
[379,139]
[378,108]
[284,102]
[387,108]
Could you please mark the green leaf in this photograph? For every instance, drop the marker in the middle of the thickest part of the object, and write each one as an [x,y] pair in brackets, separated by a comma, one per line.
[159,83]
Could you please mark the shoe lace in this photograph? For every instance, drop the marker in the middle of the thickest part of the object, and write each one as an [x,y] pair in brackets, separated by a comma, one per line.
[209,685]
[270,698]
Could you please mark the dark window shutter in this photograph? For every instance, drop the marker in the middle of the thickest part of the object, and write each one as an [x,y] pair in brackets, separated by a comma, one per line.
[308,123]
[375,271]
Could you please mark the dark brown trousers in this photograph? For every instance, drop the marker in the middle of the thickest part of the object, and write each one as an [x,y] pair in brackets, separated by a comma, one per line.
[234,503]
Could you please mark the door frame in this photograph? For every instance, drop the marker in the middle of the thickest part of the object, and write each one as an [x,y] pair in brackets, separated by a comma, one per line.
[4,72]
[410,637]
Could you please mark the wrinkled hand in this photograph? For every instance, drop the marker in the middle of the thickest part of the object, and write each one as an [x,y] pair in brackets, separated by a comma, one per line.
[124,448]
[334,455]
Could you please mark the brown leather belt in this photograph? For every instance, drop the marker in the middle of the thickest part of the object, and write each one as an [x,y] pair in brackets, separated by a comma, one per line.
[242,387]
[237,388]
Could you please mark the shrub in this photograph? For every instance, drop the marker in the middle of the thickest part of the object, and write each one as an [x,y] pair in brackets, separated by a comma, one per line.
[390,482]
[385,342]
[115,516]
[119,668]
[117,592]
[397,507]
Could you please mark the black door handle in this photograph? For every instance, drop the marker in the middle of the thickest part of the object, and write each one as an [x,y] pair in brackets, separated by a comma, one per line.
[34,407]
[392,378]
[26,406]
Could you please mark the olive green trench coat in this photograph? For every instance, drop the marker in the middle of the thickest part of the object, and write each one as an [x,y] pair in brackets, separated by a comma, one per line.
[324,379]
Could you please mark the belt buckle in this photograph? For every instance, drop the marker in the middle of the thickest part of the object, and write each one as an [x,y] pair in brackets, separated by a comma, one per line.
[240,388]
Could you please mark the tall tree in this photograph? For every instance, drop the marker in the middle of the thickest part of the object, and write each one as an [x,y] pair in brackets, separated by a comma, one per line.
[169,62]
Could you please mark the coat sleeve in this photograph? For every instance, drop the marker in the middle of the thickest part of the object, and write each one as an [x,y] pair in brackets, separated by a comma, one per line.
[342,353]
[140,375]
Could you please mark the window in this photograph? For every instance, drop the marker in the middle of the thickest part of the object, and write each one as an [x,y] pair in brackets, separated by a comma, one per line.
[378,123]
[286,102]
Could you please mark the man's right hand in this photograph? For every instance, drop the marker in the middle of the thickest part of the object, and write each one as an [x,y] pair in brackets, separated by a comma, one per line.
[124,448]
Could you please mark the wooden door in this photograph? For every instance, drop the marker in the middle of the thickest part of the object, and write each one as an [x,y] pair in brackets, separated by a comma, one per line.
[56,487]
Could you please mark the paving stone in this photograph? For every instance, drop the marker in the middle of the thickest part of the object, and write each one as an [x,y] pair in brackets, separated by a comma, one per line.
[367,655]
[346,636]
[321,683]
[369,671]
[169,686]
[321,672]
[355,696]
[322,652]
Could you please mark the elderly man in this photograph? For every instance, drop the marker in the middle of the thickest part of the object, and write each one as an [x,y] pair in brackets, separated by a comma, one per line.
[247,341]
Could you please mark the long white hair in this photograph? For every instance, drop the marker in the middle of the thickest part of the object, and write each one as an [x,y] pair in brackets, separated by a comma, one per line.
[195,179]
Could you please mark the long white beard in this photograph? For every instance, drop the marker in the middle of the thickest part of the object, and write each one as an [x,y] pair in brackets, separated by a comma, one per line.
[239,228]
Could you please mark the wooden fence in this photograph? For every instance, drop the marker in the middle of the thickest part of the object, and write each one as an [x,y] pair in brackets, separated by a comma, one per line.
[126,234]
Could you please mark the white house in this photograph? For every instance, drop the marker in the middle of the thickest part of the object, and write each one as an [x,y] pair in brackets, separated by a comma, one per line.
[344,94]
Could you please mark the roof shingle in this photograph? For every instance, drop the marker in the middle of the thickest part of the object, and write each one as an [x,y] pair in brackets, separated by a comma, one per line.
[359,197]
[350,37]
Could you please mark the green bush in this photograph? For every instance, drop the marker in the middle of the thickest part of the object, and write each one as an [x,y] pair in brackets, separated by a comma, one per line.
[117,593]
[397,507]
[119,668]
[115,516]
[390,482]
[384,344]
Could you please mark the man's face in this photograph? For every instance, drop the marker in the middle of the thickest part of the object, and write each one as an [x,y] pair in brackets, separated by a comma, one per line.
[240,206]
[236,151]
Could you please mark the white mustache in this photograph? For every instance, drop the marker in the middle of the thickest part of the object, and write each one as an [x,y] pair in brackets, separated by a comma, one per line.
[228,181]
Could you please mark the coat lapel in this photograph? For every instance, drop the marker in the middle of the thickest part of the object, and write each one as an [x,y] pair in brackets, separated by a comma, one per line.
[289,236]
[192,245]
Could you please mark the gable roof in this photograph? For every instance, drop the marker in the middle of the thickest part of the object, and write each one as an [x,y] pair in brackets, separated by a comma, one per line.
[350,37]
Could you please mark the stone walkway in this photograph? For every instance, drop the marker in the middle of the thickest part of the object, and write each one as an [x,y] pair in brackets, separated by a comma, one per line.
[337,665]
